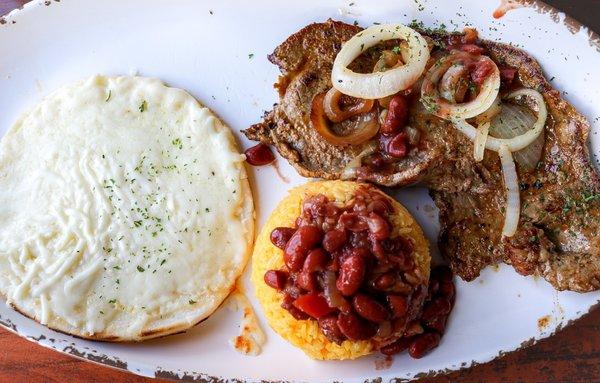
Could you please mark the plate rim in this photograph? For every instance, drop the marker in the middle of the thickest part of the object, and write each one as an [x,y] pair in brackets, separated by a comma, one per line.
[112,362]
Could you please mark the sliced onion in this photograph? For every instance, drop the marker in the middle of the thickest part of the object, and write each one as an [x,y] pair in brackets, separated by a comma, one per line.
[515,120]
[367,125]
[511,186]
[334,113]
[450,82]
[480,139]
[413,135]
[443,108]
[492,111]
[380,84]
[516,143]
[330,292]
[349,171]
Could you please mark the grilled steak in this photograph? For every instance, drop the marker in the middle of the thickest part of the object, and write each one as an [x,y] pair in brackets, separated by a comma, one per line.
[558,236]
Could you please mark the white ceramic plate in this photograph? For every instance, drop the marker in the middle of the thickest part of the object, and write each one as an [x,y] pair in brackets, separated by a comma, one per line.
[217,50]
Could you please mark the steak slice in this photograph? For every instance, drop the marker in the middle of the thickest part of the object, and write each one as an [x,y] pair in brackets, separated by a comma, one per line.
[305,60]
[558,236]
[559,229]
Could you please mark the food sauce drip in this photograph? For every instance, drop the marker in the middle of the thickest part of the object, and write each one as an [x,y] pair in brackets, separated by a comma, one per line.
[251,337]
[505,6]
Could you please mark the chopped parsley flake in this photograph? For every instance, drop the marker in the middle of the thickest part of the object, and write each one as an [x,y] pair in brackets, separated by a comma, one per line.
[250,56]
[108,96]
[191,301]
[143,106]
[177,142]
[140,269]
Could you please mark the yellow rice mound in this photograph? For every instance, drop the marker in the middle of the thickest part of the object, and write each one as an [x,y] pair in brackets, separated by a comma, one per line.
[306,334]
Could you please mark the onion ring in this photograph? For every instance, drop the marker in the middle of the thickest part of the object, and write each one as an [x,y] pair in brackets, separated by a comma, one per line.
[380,84]
[446,110]
[516,143]
[480,139]
[511,186]
[334,113]
[368,125]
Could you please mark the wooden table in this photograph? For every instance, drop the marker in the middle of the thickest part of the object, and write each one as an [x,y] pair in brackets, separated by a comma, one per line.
[573,355]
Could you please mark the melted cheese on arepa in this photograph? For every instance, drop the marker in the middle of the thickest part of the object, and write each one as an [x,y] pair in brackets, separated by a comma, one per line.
[124,210]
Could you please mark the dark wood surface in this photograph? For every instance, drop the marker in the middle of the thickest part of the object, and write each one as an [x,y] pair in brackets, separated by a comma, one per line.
[573,355]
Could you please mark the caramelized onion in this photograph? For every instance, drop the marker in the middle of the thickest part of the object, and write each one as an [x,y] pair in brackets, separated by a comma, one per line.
[380,84]
[511,186]
[430,94]
[367,125]
[334,113]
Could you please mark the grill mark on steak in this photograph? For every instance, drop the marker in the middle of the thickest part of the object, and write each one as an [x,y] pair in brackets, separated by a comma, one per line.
[560,216]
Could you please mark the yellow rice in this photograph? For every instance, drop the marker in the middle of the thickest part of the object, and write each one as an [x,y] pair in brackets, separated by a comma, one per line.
[306,334]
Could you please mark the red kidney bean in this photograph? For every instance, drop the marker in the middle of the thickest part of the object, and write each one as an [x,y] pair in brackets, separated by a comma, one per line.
[351,275]
[434,287]
[396,347]
[378,227]
[307,281]
[396,117]
[423,344]
[442,274]
[397,245]
[355,328]
[288,304]
[447,290]
[297,248]
[361,252]
[435,308]
[315,206]
[276,279]
[281,235]
[330,329]
[385,281]
[436,323]
[259,155]
[398,305]
[397,147]
[316,260]
[374,161]
[334,239]
[352,222]
[369,308]
[359,240]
